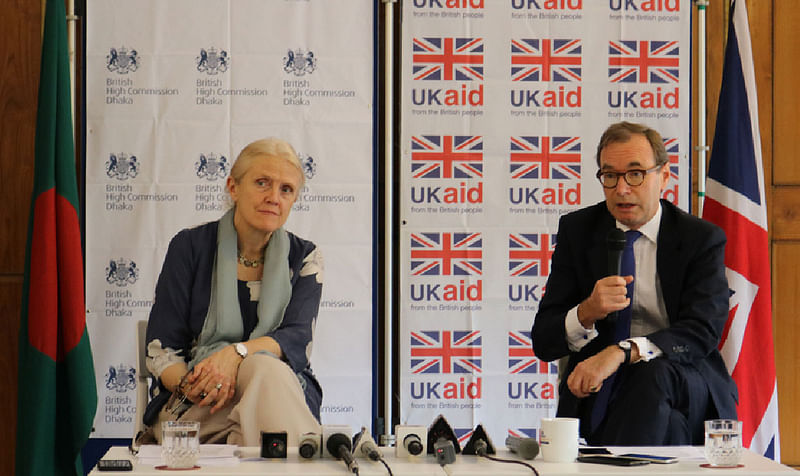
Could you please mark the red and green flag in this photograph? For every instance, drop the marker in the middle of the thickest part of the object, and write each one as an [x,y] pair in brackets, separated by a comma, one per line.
[57,397]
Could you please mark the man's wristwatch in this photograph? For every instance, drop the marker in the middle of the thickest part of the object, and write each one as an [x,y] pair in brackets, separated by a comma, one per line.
[241,349]
[625,345]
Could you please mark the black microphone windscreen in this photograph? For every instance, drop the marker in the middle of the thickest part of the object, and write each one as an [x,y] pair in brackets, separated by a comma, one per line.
[335,441]
[526,448]
[615,242]
[615,239]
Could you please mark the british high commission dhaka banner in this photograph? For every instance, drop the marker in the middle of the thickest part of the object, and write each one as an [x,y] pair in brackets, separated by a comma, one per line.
[503,104]
[174,91]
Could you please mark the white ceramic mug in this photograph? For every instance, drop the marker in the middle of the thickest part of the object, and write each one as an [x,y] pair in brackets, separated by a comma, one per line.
[559,439]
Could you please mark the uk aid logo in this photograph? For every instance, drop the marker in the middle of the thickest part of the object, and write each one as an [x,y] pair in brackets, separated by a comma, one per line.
[544,171]
[529,258]
[445,5]
[547,75]
[451,260]
[644,63]
[543,7]
[645,6]
[456,62]
[446,159]
[442,353]
[539,376]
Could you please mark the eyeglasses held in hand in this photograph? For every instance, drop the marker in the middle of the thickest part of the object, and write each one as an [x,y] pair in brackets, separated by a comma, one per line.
[178,402]
[633,177]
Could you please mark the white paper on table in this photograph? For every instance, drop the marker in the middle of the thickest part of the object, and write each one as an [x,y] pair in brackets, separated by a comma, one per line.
[683,453]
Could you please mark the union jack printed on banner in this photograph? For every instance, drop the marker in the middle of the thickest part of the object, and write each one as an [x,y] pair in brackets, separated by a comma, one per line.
[522,360]
[545,60]
[446,352]
[447,156]
[673,152]
[529,254]
[545,157]
[445,254]
[524,432]
[436,59]
[463,435]
[643,61]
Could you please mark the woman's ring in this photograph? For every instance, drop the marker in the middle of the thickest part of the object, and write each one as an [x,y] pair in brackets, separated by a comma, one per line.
[219,386]
[593,389]
[203,395]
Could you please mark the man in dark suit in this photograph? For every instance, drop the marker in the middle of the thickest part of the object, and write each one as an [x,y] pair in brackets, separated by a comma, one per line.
[643,365]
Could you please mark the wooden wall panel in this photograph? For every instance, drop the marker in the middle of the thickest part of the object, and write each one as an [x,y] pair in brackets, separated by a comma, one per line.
[10,298]
[787,107]
[786,206]
[786,282]
[20,50]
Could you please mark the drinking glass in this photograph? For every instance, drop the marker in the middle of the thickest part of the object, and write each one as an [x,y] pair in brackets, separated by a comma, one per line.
[180,443]
[723,446]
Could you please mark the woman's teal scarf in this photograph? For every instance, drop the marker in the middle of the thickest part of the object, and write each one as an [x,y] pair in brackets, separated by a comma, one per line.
[223,325]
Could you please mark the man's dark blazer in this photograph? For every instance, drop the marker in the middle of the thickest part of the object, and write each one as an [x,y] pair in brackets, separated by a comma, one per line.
[690,266]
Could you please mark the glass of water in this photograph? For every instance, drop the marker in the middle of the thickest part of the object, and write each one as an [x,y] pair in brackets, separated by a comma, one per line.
[723,446]
[180,443]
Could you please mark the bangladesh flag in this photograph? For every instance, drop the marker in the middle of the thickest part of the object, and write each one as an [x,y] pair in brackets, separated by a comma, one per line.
[57,397]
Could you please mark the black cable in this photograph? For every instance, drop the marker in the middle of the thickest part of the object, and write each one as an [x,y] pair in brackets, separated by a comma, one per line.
[387,466]
[501,460]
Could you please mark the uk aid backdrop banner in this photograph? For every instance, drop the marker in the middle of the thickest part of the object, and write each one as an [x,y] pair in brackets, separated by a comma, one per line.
[503,105]
[174,91]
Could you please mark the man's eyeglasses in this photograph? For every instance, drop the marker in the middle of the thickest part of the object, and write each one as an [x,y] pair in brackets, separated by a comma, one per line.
[633,177]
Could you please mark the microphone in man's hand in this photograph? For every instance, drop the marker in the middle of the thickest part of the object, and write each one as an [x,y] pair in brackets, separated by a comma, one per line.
[339,446]
[615,242]
[526,448]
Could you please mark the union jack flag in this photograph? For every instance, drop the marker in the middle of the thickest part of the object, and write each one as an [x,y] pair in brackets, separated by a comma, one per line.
[643,61]
[545,60]
[447,156]
[736,201]
[529,254]
[522,360]
[524,433]
[446,352]
[445,254]
[448,59]
[545,157]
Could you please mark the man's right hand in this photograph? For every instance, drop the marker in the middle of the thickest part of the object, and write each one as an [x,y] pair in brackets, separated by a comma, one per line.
[609,295]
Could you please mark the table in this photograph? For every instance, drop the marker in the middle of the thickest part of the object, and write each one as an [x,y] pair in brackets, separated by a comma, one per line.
[689,462]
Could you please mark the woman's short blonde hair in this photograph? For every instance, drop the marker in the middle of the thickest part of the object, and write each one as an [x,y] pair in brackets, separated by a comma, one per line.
[269,147]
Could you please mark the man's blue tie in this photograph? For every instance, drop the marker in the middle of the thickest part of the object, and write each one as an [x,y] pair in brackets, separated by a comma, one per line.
[622,330]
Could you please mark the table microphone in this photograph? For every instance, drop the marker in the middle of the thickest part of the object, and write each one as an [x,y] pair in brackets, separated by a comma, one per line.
[339,446]
[526,448]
